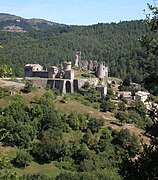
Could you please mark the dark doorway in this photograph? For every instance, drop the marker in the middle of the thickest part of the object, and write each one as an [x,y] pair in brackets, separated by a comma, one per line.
[68,87]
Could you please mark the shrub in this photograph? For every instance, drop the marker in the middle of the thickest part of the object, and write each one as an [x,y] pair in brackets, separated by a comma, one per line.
[86,85]
[23,158]
[95,124]
[95,105]
[36,176]
[4,91]
[122,116]
[107,106]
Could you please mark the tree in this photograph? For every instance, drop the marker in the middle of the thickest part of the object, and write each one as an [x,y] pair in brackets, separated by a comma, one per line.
[122,106]
[140,108]
[107,106]
[36,176]
[28,87]
[121,116]
[81,153]
[5,71]
[151,44]
[73,121]
[127,141]
[146,165]
[86,85]
[67,176]
[22,159]
[82,122]
[4,161]
[105,141]
[49,146]
[95,124]
[126,82]
[88,138]
[7,175]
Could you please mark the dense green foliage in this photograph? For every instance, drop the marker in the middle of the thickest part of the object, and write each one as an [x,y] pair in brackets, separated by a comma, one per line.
[5,71]
[116,44]
[37,176]
[38,130]
[151,44]
[146,165]
[4,91]
[22,159]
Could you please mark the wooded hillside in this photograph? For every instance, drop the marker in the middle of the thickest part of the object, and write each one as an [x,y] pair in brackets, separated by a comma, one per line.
[116,44]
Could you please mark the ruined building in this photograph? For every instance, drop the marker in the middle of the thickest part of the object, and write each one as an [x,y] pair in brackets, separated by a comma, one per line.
[99,67]
[63,78]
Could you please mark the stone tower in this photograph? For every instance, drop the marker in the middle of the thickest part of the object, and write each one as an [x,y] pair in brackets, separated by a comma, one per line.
[78,59]
[68,72]
[102,71]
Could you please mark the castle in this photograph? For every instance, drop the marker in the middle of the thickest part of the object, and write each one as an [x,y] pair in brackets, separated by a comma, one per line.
[63,78]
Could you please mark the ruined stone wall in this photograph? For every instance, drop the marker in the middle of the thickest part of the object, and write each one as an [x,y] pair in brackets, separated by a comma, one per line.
[68,85]
[63,85]
[69,74]
[40,82]
[79,83]
[57,84]
[92,81]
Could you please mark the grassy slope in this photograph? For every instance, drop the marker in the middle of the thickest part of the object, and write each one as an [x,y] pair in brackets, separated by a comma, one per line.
[49,170]
[77,107]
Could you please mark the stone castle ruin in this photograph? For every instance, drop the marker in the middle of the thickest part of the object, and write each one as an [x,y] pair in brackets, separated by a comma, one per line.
[63,78]
[99,68]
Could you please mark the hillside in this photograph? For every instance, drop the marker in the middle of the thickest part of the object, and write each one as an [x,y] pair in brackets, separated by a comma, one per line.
[12,23]
[50,43]
[48,138]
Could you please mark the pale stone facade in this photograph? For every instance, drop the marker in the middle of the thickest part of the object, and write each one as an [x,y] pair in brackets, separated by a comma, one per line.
[141,96]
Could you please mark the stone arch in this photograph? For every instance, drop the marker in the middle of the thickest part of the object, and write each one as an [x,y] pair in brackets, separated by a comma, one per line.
[68,87]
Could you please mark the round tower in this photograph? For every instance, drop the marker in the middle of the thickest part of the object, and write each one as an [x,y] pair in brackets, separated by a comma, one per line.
[67,66]
[101,70]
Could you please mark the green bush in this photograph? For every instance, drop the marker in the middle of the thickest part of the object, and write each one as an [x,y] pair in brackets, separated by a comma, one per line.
[86,103]
[95,124]
[36,176]
[107,106]
[122,116]
[22,159]
[4,91]
[96,105]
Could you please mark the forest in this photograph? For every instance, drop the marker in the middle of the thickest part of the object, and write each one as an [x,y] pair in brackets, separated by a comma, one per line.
[117,44]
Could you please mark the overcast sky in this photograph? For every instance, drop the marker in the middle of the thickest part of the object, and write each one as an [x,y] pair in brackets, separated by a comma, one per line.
[77,12]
